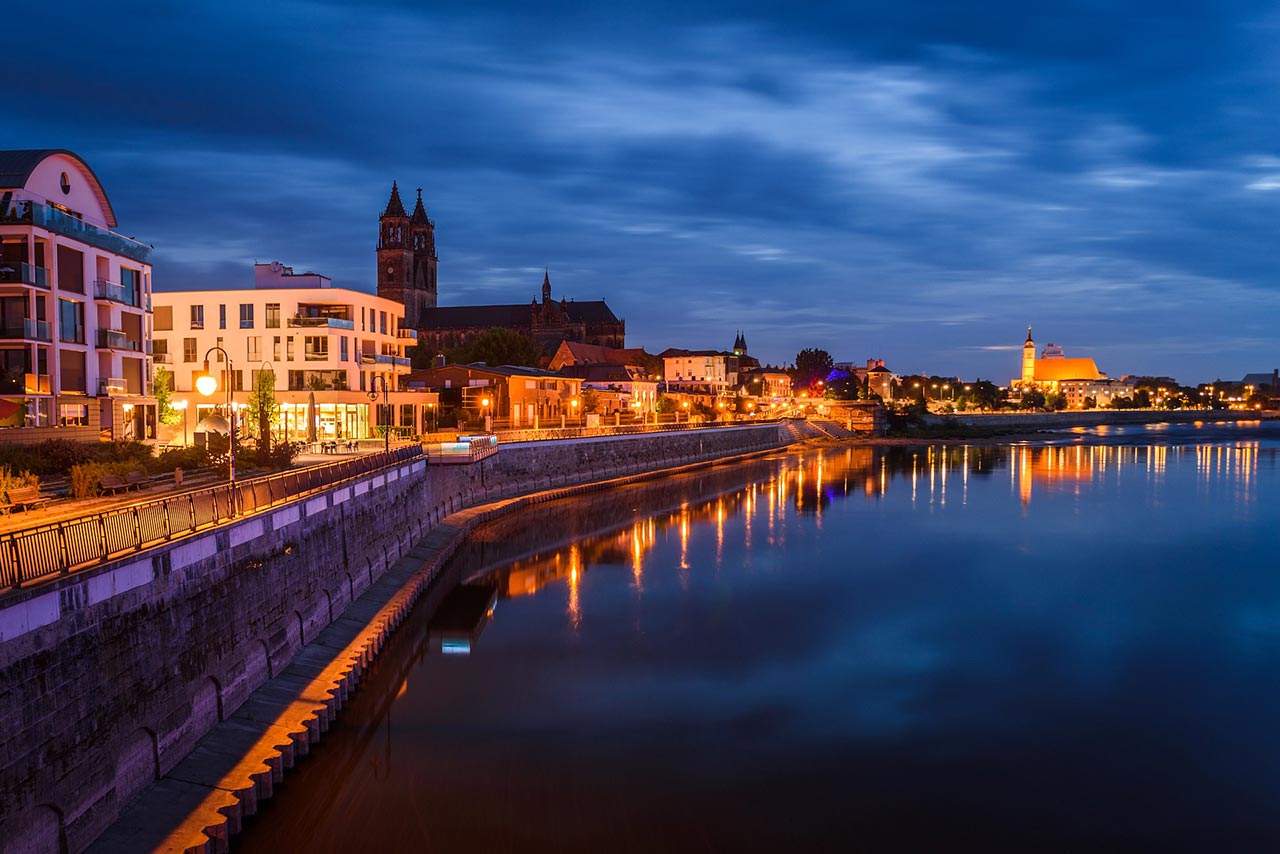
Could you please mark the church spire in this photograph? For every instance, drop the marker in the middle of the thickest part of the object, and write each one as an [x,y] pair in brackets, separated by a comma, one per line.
[394,206]
[1029,333]
[546,285]
[419,212]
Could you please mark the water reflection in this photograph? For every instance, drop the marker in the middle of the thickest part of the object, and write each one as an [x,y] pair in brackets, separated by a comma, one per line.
[1004,648]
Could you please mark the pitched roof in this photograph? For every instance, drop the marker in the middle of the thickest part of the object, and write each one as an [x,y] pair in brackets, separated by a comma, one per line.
[17,165]
[472,316]
[1051,370]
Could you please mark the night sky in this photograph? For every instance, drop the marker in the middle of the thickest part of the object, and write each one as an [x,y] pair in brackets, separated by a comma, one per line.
[914,180]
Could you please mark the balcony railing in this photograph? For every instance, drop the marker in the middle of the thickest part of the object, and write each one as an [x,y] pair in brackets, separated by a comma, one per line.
[380,359]
[406,332]
[112,292]
[22,273]
[298,321]
[112,386]
[164,358]
[114,339]
[315,356]
[28,330]
[24,211]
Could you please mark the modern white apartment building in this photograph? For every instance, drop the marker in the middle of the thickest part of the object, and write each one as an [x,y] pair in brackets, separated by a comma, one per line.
[75,302]
[324,344]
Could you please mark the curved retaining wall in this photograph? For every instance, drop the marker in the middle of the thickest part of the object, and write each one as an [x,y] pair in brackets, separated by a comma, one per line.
[110,676]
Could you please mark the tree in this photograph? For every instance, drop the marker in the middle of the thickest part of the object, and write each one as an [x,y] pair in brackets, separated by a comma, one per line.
[263,407]
[664,404]
[162,386]
[1032,398]
[590,400]
[811,365]
[497,346]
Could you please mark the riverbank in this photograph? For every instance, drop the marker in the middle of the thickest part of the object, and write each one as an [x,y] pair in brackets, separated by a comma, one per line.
[205,798]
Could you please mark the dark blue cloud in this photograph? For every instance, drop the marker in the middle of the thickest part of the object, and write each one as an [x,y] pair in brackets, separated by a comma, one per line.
[915,181]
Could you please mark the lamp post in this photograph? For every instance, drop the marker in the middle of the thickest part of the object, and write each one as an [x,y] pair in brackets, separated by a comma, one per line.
[574,403]
[685,405]
[431,410]
[488,424]
[373,395]
[207,384]
[182,404]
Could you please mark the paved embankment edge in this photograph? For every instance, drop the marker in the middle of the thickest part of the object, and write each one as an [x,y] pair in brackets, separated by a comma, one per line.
[204,800]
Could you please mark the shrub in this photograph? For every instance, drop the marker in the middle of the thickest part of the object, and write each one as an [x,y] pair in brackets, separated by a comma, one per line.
[11,480]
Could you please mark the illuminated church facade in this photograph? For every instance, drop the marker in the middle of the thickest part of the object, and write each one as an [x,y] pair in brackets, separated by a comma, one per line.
[1077,379]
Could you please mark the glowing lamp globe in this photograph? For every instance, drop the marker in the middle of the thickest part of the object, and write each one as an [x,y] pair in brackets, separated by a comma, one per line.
[206,383]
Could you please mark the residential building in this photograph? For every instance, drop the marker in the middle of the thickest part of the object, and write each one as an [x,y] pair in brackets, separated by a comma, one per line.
[75,301]
[336,344]
[516,396]
[768,384]
[621,388]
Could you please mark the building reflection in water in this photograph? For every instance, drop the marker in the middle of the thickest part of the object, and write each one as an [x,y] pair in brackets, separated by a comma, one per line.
[809,484]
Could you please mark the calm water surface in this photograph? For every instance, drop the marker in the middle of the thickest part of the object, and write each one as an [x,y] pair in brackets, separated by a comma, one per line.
[1069,645]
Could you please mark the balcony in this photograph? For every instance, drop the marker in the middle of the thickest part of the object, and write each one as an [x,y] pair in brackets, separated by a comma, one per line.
[22,273]
[112,292]
[23,211]
[112,387]
[406,332]
[28,330]
[114,339]
[380,359]
[300,322]
[164,358]
[315,356]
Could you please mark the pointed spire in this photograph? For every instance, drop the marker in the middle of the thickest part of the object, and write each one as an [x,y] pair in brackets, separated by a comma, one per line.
[394,206]
[419,212]
[546,285]
[1029,333]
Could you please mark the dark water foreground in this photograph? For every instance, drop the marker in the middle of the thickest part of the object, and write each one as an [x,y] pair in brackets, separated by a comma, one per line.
[1045,648]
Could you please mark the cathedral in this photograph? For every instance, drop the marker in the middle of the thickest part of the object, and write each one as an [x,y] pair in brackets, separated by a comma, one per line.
[407,274]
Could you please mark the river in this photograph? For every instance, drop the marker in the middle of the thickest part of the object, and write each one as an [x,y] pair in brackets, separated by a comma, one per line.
[1063,645]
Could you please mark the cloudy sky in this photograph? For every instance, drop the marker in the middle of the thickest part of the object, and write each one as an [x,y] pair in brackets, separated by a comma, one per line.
[915,181]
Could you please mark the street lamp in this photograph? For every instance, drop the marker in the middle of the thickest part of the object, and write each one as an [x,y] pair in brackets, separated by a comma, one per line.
[207,384]
[574,403]
[488,425]
[373,395]
[685,404]
[431,410]
[182,404]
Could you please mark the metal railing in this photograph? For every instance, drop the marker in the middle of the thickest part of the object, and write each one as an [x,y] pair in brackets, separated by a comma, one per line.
[22,273]
[114,339]
[304,322]
[114,292]
[58,548]
[30,330]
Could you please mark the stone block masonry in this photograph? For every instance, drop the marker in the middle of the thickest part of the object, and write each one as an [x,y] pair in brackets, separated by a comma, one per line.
[110,676]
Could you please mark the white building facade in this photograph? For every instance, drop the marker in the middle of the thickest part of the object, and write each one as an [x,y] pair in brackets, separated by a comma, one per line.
[75,303]
[331,345]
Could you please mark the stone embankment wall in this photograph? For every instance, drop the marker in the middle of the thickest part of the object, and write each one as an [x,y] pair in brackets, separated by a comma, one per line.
[109,676]
[1061,420]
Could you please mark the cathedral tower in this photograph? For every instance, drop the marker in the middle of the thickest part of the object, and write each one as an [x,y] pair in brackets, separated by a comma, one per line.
[422,233]
[395,253]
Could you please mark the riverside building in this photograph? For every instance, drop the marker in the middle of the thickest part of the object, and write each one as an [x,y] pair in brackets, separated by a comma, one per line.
[1076,379]
[75,302]
[329,349]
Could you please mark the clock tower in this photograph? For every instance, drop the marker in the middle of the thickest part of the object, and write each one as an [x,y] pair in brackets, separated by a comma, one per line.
[395,254]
